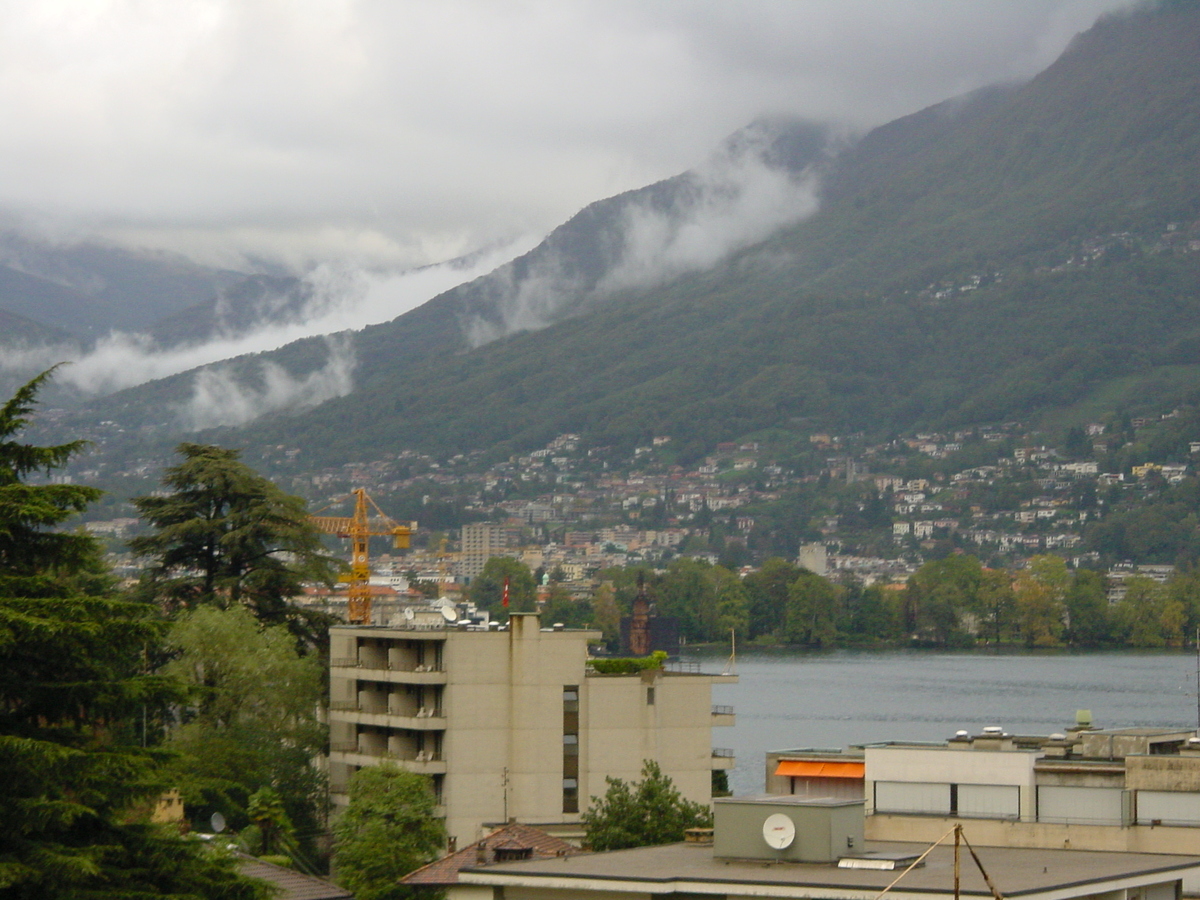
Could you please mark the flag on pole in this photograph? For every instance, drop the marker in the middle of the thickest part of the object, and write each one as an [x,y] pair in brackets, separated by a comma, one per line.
[505,601]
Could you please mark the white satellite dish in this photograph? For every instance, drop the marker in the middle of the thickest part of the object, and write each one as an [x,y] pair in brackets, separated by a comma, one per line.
[217,821]
[779,831]
[449,614]
[409,614]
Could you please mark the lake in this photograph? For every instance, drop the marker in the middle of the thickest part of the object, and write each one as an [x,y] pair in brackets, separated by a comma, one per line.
[787,700]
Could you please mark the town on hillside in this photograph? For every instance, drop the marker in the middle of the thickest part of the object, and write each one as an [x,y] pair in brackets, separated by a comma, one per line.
[1103,496]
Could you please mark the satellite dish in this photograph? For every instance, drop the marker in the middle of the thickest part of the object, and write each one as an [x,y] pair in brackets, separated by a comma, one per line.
[217,821]
[449,614]
[779,831]
[409,614]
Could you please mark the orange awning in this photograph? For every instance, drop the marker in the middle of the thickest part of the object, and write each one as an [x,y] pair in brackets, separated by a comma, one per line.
[805,769]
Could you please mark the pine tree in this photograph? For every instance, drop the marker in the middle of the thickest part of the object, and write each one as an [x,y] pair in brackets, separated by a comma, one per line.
[75,786]
[226,535]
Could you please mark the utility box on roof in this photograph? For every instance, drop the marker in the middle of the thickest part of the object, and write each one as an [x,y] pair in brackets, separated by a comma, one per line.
[790,828]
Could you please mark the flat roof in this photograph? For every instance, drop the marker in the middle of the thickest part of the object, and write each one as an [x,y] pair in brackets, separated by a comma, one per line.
[789,800]
[1015,871]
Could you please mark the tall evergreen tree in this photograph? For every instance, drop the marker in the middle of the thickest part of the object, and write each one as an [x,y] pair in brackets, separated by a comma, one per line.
[75,786]
[226,535]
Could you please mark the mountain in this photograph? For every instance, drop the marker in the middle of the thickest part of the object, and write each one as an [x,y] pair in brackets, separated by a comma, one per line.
[578,266]
[77,292]
[19,328]
[1028,252]
[237,308]
[87,289]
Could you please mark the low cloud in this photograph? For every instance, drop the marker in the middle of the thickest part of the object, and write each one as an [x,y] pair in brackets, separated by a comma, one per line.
[220,398]
[741,200]
[529,303]
[736,198]
[339,299]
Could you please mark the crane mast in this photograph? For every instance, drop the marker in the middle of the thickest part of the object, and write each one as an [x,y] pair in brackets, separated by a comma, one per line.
[360,528]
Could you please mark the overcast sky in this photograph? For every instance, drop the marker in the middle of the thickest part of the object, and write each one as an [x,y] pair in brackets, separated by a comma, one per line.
[398,132]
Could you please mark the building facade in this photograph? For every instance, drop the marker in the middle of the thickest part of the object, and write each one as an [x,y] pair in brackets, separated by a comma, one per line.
[1132,789]
[512,724]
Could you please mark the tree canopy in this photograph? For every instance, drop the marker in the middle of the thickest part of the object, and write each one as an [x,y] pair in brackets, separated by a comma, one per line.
[76,784]
[387,831]
[641,814]
[487,588]
[225,535]
[251,722]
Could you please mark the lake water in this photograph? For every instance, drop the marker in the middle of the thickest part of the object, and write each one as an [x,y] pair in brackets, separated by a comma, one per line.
[787,700]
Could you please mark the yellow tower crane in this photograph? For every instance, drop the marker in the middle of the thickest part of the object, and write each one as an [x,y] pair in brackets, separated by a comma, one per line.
[360,528]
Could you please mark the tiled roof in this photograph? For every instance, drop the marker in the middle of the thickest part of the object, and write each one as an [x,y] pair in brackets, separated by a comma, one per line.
[512,836]
[292,885]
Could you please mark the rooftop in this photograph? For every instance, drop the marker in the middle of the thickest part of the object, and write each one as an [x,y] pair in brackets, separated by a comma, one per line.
[512,837]
[687,867]
[290,884]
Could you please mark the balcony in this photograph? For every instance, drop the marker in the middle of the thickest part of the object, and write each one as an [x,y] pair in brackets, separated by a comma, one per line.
[722,758]
[419,720]
[424,763]
[722,715]
[346,667]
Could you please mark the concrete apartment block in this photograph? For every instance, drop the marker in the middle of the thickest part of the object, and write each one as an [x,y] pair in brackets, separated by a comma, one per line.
[512,724]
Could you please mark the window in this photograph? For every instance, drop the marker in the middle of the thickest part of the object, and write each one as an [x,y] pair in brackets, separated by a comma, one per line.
[988,801]
[570,795]
[513,854]
[570,748]
[912,797]
[1168,808]
[1086,805]
[649,696]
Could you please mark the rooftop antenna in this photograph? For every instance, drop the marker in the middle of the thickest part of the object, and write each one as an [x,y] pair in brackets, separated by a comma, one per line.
[731,666]
[504,786]
[959,836]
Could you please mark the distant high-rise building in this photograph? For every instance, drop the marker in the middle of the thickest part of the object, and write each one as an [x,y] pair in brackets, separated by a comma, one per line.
[480,542]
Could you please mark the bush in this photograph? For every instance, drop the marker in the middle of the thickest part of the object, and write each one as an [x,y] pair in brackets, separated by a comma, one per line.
[629,665]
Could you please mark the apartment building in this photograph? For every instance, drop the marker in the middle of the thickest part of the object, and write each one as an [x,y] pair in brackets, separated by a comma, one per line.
[480,542]
[513,724]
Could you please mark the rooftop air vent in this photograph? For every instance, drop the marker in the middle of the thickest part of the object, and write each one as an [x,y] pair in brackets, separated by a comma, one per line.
[884,861]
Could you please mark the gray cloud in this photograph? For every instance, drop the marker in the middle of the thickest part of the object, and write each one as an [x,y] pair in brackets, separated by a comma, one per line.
[732,200]
[740,200]
[219,398]
[342,298]
[400,133]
